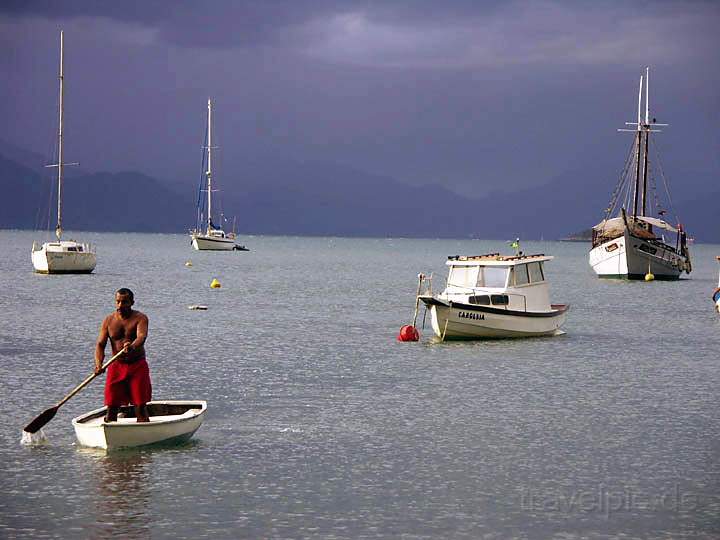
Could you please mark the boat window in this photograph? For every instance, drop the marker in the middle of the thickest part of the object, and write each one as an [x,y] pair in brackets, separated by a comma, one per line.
[482,300]
[493,276]
[463,276]
[71,248]
[500,299]
[521,274]
[536,272]
[79,248]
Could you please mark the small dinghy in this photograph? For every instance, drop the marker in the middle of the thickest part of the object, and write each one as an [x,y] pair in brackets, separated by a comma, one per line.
[170,422]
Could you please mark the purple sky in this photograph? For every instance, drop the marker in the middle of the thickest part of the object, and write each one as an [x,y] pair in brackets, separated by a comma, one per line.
[476,96]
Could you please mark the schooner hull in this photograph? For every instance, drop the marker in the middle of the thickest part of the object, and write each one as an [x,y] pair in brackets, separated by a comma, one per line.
[209,243]
[630,257]
[63,262]
[469,322]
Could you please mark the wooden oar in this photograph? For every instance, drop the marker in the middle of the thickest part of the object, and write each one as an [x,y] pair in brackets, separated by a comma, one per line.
[48,414]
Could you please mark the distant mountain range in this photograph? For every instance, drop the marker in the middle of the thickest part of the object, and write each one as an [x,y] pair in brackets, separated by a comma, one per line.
[311,198]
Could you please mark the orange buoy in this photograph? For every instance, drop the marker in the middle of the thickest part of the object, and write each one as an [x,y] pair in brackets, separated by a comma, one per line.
[408,333]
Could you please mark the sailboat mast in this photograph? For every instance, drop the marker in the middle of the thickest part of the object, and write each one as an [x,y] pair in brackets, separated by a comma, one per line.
[209,169]
[639,147]
[647,138]
[58,228]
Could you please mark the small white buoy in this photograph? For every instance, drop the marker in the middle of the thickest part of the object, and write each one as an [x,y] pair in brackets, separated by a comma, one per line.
[188,264]
[215,284]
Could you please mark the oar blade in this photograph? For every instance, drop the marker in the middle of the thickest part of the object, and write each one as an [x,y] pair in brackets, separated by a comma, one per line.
[40,420]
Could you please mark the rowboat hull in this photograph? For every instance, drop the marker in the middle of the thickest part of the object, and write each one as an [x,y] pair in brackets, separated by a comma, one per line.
[170,422]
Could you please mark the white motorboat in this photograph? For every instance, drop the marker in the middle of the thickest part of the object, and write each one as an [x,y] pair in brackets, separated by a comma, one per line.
[211,237]
[633,244]
[62,256]
[170,422]
[494,296]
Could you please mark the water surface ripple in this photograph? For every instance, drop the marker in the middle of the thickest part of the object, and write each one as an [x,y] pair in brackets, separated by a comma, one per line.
[321,425]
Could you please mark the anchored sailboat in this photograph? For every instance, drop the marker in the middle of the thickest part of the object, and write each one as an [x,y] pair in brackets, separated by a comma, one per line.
[63,256]
[211,237]
[633,243]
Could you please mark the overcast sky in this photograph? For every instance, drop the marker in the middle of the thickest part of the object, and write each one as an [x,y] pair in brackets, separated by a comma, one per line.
[476,96]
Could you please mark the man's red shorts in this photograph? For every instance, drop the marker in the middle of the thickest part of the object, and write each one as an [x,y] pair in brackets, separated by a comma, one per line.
[128,383]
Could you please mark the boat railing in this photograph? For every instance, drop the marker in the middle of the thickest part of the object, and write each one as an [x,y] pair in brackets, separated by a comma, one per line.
[425,285]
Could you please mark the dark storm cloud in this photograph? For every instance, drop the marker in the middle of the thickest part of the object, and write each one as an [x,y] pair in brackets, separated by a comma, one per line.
[426,91]
[411,33]
[217,24]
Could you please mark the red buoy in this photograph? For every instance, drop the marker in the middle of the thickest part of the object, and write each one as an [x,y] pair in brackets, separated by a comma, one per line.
[408,333]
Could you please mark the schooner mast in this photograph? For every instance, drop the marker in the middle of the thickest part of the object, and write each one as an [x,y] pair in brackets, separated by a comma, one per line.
[642,146]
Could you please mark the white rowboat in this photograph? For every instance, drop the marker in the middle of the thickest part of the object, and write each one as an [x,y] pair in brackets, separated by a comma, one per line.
[170,422]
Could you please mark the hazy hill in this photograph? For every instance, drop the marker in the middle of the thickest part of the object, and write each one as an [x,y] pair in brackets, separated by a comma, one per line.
[311,198]
[126,201]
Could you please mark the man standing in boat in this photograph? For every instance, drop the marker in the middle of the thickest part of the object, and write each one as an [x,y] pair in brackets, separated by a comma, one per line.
[128,378]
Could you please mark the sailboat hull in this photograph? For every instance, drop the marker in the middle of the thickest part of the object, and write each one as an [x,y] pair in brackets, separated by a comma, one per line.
[63,258]
[630,257]
[203,242]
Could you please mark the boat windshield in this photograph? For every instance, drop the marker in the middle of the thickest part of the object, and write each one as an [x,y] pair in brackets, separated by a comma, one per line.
[463,276]
[493,276]
[470,277]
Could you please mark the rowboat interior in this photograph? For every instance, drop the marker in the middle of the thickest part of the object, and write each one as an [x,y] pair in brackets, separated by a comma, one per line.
[159,412]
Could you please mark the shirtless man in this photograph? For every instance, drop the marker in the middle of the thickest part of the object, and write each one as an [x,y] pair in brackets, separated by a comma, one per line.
[128,378]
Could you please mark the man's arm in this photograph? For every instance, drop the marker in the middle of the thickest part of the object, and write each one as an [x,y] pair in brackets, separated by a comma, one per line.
[100,345]
[142,331]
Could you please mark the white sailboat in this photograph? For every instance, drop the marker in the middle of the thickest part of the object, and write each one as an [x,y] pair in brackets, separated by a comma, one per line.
[62,256]
[212,238]
[633,244]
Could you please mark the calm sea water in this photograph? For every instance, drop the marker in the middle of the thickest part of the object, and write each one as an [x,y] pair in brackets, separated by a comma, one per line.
[321,425]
